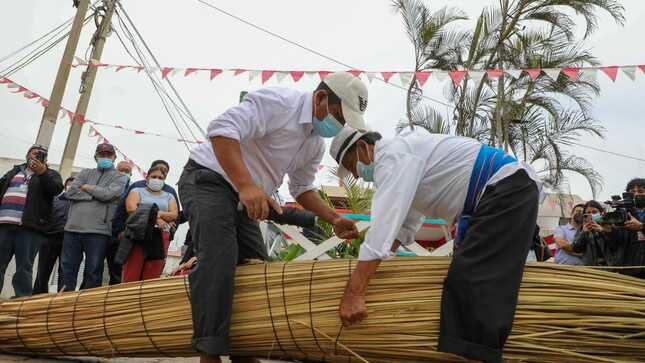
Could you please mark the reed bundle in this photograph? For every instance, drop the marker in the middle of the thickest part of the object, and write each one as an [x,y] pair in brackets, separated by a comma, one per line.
[291,311]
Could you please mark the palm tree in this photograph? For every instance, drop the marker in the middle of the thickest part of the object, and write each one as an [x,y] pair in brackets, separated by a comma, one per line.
[536,120]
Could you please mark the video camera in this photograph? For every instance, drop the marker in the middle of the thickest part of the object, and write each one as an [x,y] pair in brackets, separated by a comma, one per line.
[623,206]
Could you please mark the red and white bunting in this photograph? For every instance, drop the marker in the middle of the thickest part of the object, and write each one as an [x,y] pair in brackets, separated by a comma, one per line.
[422,77]
[387,75]
[572,73]
[457,77]
[611,72]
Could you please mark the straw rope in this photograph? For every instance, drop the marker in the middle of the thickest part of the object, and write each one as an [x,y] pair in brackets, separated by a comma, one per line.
[291,311]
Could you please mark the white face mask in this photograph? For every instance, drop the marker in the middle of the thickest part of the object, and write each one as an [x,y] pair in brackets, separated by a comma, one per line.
[155,184]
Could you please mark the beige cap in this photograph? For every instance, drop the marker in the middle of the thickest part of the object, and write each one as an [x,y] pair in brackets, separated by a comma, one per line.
[353,95]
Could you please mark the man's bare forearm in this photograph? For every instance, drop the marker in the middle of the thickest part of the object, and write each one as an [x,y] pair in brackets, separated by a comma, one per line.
[229,156]
[311,201]
[361,277]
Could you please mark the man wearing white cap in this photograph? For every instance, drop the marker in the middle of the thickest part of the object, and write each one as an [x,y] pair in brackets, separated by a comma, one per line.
[273,132]
[493,197]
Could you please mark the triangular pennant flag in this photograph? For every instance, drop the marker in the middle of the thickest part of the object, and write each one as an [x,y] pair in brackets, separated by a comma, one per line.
[534,73]
[476,75]
[5,80]
[370,76]
[440,76]
[120,68]
[611,72]
[12,85]
[139,69]
[515,73]
[30,95]
[238,71]
[92,132]
[176,71]
[494,73]
[457,77]
[80,61]
[642,67]
[422,77]
[165,71]
[387,76]
[589,74]
[20,89]
[323,74]
[553,73]
[189,71]
[62,113]
[151,70]
[214,73]
[406,78]
[44,102]
[266,75]
[296,75]
[572,73]
[356,72]
[630,71]
[253,75]
[280,76]
[70,116]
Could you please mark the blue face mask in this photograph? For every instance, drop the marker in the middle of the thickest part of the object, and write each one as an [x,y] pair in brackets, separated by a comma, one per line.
[596,217]
[103,163]
[365,172]
[327,127]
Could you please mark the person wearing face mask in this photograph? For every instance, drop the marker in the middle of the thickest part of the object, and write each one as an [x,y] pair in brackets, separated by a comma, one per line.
[593,240]
[564,236]
[273,132]
[27,192]
[137,267]
[94,196]
[493,197]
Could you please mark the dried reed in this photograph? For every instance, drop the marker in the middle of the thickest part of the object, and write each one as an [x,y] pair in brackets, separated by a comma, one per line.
[291,311]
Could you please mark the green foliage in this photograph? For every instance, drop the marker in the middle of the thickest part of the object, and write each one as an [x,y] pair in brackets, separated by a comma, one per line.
[537,120]
[291,253]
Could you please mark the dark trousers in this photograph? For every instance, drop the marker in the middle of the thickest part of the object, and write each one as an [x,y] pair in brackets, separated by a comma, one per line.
[115,270]
[222,237]
[483,281]
[47,256]
[74,246]
[24,244]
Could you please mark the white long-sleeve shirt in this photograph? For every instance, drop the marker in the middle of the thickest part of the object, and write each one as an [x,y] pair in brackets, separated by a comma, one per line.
[275,131]
[421,175]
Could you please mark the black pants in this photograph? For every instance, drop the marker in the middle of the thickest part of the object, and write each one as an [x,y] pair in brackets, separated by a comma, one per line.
[47,256]
[222,237]
[114,269]
[480,291]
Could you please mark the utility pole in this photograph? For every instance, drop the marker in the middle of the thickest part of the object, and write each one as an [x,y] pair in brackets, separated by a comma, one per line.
[50,115]
[87,83]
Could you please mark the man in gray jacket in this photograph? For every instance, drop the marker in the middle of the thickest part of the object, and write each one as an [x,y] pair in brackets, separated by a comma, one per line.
[94,196]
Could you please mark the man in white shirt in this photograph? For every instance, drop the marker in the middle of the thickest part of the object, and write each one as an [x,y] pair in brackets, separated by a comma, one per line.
[273,132]
[493,197]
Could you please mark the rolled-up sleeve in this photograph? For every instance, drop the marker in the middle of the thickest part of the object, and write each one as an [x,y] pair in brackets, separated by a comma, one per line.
[302,179]
[397,177]
[252,118]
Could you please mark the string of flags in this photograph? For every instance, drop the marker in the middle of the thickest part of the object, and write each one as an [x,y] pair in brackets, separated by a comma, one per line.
[404,77]
[44,102]
[93,131]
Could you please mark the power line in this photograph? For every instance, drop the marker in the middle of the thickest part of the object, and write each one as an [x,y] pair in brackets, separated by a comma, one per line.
[275,35]
[609,152]
[172,87]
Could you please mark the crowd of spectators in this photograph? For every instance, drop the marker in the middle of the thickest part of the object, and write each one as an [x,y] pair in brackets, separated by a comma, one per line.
[86,218]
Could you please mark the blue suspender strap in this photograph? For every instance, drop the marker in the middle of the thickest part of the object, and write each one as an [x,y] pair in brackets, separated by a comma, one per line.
[488,162]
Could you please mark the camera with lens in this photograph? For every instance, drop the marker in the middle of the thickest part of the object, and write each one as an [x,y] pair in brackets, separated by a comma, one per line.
[623,207]
[294,217]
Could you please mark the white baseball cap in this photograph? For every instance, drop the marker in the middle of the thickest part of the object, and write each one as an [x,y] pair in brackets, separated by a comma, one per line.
[347,137]
[353,96]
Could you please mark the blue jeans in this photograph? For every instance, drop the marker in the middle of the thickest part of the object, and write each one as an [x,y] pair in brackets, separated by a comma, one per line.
[74,246]
[24,243]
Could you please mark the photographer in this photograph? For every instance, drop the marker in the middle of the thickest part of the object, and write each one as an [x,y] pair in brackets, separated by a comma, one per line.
[592,241]
[633,234]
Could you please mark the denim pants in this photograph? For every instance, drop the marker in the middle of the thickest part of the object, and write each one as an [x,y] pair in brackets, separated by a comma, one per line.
[74,246]
[23,243]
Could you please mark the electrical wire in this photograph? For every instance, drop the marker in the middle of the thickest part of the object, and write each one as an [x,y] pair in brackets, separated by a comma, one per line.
[608,152]
[141,60]
[172,87]
[37,52]
[310,50]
